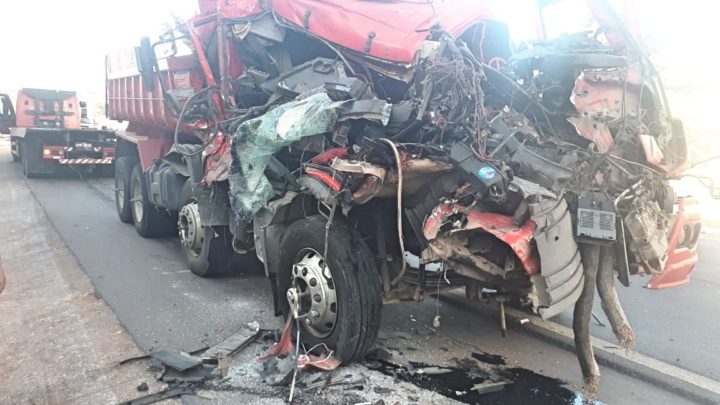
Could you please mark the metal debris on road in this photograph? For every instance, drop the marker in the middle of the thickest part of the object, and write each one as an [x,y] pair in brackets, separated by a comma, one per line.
[233,343]
[160,396]
[180,361]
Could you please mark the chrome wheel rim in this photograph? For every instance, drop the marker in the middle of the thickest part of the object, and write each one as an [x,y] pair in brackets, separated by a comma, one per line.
[190,229]
[316,295]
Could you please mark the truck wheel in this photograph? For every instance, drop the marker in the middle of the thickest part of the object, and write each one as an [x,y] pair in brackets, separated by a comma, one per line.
[208,250]
[29,158]
[149,220]
[17,153]
[123,173]
[340,295]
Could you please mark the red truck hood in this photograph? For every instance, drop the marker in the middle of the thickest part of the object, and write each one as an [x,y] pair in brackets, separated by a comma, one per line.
[395,30]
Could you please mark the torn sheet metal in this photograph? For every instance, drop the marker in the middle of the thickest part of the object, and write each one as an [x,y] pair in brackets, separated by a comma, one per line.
[217,160]
[178,360]
[258,139]
[232,344]
[501,226]
[600,96]
[193,375]
[160,396]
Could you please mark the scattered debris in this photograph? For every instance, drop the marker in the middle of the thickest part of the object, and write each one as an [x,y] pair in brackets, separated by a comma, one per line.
[489,386]
[180,361]
[278,370]
[233,343]
[320,380]
[193,375]
[161,396]
[488,358]
[509,169]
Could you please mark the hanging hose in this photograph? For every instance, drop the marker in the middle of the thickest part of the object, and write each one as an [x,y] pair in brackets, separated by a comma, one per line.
[581,321]
[399,210]
[610,301]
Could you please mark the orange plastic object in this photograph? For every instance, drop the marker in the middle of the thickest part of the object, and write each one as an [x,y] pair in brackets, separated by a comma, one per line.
[682,247]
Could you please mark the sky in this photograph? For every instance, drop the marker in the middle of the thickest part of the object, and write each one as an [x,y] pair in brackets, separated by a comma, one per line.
[61,44]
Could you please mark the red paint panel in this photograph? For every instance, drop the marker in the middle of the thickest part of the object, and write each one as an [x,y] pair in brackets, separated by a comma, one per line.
[217,160]
[500,226]
[26,104]
[399,27]
[152,143]
[327,156]
[682,247]
[231,8]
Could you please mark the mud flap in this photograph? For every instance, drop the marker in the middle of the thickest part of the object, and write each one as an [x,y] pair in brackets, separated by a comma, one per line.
[560,281]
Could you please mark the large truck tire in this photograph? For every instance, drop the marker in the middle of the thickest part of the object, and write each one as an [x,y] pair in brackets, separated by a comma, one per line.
[341,295]
[208,249]
[149,220]
[123,174]
[30,156]
[17,153]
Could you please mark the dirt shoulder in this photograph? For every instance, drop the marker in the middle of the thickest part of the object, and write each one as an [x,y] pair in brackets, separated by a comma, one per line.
[59,343]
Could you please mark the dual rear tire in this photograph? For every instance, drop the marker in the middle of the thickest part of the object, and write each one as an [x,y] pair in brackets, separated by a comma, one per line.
[340,295]
[133,204]
[208,250]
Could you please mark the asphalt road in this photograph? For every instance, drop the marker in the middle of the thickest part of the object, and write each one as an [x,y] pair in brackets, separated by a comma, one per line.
[163,305]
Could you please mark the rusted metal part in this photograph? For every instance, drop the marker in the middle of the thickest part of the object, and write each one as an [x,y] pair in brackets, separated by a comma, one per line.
[649,241]
[454,247]
[500,226]
[381,182]
[358,167]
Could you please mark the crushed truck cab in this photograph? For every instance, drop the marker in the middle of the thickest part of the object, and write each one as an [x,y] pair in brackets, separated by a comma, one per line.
[332,140]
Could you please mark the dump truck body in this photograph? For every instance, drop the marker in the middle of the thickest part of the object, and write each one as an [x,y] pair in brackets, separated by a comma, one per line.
[331,139]
[51,131]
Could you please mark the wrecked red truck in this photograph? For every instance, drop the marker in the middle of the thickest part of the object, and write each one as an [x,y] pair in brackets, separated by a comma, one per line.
[329,139]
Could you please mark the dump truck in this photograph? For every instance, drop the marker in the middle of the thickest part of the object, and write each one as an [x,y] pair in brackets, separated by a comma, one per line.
[370,152]
[50,132]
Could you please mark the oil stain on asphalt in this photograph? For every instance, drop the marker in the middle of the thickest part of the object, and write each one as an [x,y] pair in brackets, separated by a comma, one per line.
[521,386]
